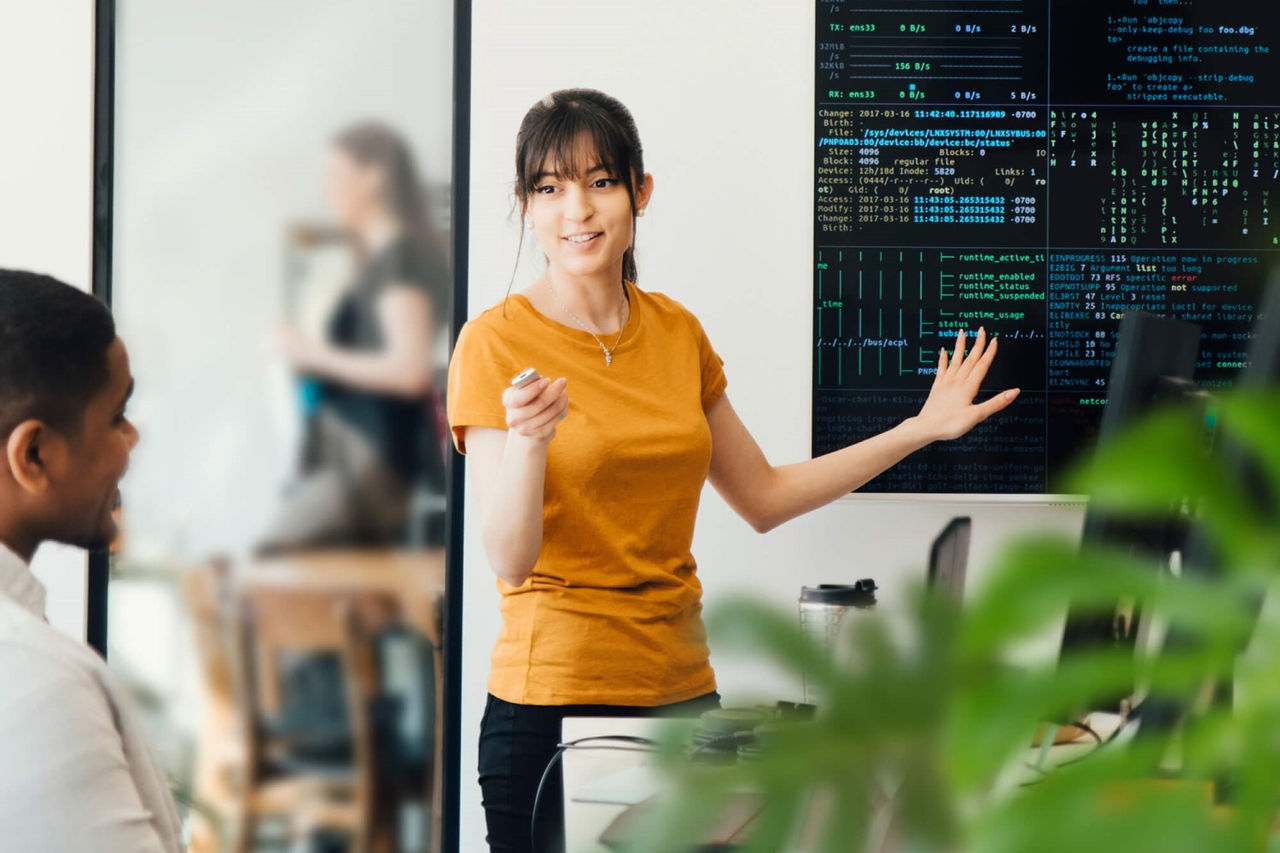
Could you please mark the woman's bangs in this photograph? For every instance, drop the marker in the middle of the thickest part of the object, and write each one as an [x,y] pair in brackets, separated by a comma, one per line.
[573,143]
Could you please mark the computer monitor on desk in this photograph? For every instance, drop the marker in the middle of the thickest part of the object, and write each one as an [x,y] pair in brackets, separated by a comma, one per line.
[1200,558]
[1154,365]
[949,559]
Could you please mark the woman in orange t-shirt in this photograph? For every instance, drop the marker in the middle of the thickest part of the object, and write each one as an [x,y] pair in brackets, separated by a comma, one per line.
[588,479]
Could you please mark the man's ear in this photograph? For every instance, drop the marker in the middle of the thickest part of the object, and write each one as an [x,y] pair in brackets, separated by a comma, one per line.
[27,454]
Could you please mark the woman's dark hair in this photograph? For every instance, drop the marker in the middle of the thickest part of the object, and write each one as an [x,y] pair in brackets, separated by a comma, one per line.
[550,133]
[372,143]
[53,351]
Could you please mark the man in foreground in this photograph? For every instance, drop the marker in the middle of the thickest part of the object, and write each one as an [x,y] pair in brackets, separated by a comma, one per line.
[77,774]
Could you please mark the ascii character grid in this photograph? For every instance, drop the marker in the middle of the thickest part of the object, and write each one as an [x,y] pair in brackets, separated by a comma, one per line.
[1037,169]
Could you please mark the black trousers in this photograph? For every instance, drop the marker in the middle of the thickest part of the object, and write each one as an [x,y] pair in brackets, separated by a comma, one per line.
[517,742]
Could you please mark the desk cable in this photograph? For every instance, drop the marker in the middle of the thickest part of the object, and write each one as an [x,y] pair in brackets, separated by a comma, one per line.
[637,744]
[1099,743]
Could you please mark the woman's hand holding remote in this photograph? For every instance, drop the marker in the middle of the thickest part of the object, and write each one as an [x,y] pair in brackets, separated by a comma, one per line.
[534,409]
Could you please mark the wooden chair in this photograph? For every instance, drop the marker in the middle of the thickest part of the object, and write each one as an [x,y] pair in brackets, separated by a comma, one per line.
[414,578]
[284,620]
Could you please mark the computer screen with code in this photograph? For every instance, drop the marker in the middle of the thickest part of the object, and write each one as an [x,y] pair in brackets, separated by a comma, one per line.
[1037,169]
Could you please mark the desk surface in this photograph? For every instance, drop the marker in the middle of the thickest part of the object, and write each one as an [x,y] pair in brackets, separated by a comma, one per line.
[350,566]
[414,577]
[584,822]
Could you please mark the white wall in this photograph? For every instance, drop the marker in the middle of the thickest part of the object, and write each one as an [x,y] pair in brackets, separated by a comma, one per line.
[722,92]
[46,192]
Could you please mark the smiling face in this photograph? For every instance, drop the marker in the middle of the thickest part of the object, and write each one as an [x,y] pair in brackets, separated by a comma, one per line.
[583,216]
[85,480]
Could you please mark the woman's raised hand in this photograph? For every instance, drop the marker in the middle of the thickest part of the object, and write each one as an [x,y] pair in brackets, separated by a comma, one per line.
[534,410]
[950,412]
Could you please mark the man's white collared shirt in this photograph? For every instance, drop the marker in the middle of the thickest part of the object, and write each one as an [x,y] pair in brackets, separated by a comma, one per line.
[76,774]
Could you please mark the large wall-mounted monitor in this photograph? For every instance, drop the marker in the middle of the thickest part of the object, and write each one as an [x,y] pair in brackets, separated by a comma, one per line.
[1037,168]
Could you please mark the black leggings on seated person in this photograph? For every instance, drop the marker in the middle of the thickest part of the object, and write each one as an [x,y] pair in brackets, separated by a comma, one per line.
[516,742]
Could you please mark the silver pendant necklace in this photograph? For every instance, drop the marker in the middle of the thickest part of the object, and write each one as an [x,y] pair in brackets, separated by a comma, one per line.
[622,323]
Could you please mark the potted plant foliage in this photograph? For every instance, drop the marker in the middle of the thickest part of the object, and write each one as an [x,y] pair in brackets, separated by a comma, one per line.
[924,739]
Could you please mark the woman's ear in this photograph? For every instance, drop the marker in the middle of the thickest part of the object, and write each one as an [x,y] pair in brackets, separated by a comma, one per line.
[25,454]
[644,192]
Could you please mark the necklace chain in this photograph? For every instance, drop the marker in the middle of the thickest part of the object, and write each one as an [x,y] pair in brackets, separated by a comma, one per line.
[608,351]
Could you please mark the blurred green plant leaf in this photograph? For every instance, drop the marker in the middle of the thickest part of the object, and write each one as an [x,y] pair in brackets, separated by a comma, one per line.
[924,739]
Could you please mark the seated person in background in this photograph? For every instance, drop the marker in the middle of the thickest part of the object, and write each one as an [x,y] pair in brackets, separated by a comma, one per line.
[75,772]
[366,442]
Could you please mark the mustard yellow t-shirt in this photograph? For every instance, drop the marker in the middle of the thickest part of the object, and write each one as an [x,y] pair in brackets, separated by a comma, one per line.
[612,611]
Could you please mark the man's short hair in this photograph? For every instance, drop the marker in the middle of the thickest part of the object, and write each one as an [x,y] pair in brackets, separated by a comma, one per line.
[53,351]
